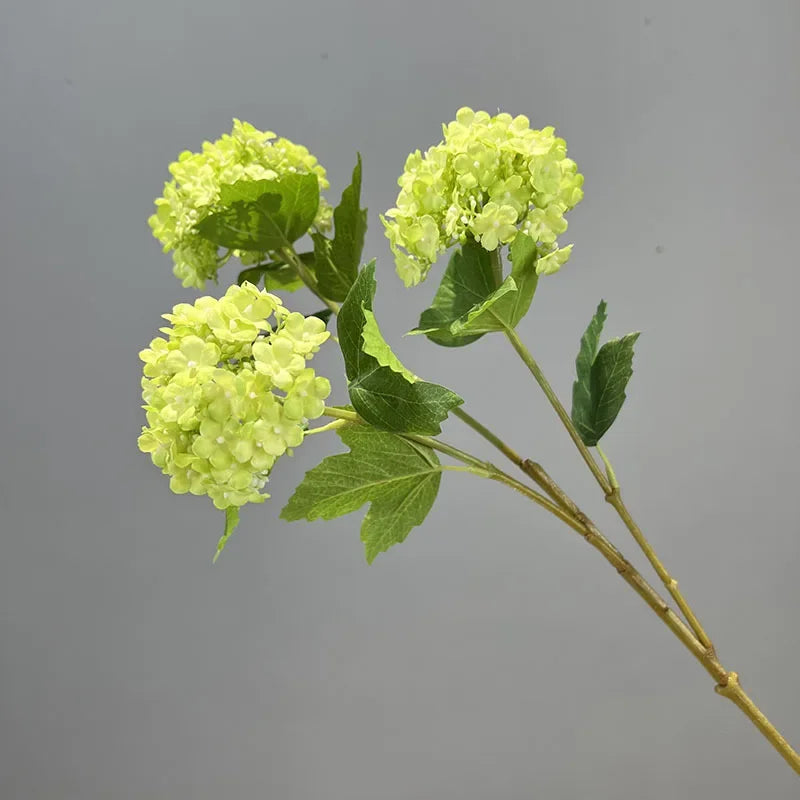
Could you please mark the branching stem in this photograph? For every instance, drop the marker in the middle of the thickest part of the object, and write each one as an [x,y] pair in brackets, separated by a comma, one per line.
[694,637]
[537,373]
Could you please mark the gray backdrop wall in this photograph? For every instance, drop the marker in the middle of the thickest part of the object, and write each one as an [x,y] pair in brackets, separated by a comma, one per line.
[494,654]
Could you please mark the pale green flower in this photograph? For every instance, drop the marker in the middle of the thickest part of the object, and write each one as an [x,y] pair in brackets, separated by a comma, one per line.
[193,193]
[495,225]
[469,184]
[552,262]
[228,391]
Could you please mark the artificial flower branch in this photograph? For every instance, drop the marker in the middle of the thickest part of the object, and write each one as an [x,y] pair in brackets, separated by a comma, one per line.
[228,390]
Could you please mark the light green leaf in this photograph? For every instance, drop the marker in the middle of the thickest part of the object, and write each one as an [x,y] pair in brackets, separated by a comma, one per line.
[488,316]
[264,216]
[599,391]
[524,262]
[245,191]
[231,521]
[483,307]
[375,345]
[381,395]
[509,303]
[467,282]
[338,259]
[398,477]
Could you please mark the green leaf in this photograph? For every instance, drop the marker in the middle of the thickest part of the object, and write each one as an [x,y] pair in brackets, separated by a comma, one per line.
[375,345]
[509,303]
[383,396]
[277,275]
[231,521]
[398,477]
[245,225]
[467,281]
[469,304]
[488,316]
[599,391]
[524,258]
[263,215]
[338,260]
[245,190]
[581,389]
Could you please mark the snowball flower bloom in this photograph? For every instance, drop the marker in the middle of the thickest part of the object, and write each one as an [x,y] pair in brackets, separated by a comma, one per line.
[490,178]
[193,193]
[229,391]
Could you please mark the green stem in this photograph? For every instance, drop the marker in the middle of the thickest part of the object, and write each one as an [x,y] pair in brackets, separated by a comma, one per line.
[491,437]
[727,683]
[496,261]
[308,279]
[537,373]
[612,478]
[342,413]
[331,426]
[615,499]
[610,488]
[473,470]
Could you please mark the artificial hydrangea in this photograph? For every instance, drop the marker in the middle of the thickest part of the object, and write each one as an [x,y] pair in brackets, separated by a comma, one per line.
[490,178]
[193,193]
[228,391]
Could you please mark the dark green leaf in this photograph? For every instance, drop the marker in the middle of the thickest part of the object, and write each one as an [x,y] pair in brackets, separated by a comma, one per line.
[468,302]
[599,391]
[246,225]
[508,304]
[338,260]
[277,275]
[283,280]
[467,281]
[581,389]
[382,395]
[231,521]
[272,215]
[398,477]
[251,275]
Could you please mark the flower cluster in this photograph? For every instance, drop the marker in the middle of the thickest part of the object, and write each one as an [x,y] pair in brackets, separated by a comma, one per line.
[193,194]
[227,392]
[490,178]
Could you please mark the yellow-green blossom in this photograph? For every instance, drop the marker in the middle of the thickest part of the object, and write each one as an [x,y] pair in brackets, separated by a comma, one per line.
[228,391]
[193,193]
[490,177]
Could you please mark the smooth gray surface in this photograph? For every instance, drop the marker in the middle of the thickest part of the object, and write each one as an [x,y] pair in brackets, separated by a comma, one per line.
[494,655]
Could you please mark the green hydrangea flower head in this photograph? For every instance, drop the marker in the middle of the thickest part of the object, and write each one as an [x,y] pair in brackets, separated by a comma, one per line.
[490,177]
[228,390]
[193,193]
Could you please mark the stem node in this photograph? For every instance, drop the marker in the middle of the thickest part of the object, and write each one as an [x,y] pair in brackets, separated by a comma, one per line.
[730,687]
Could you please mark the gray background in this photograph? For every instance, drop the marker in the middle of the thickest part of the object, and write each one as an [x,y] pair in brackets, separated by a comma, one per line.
[495,654]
